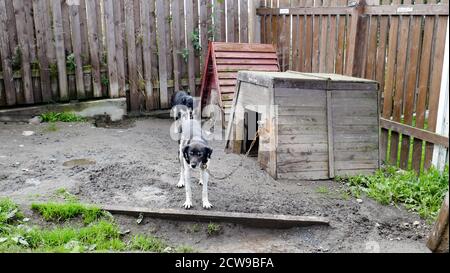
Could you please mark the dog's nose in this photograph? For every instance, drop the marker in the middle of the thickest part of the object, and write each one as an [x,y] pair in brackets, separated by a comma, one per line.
[193,166]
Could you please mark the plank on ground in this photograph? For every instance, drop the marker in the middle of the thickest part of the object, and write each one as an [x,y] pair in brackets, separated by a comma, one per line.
[252,219]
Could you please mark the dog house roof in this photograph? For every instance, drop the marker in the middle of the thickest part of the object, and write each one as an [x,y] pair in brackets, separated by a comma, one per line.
[294,79]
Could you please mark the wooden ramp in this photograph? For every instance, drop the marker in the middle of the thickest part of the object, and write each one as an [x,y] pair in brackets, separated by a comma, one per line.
[224,60]
[250,219]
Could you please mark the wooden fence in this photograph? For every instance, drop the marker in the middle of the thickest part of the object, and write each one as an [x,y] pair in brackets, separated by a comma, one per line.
[61,50]
[398,43]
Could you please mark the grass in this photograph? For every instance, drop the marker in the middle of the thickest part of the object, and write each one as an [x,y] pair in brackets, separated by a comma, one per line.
[194,228]
[64,211]
[213,229]
[51,127]
[419,193]
[62,117]
[322,190]
[100,235]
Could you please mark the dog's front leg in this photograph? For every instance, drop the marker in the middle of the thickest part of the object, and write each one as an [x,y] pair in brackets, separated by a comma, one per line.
[187,184]
[204,176]
[181,159]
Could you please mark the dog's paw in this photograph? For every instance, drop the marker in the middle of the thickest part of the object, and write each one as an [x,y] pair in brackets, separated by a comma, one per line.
[207,205]
[180,184]
[187,204]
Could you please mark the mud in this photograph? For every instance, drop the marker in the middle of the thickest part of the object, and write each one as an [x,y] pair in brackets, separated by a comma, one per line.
[135,164]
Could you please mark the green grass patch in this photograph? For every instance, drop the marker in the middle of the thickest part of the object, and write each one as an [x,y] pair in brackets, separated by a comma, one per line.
[64,211]
[62,117]
[185,249]
[419,193]
[322,190]
[147,243]
[101,235]
[9,212]
[213,229]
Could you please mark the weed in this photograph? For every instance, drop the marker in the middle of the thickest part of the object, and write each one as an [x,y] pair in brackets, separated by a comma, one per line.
[147,243]
[64,211]
[104,80]
[322,190]
[185,54]
[61,116]
[51,127]
[214,229]
[16,59]
[70,63]
[194,228]
[9,212]
[195,36]
[185,249]
[420,193]
[66,195]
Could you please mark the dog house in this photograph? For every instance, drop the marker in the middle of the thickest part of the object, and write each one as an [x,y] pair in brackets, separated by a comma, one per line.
[310,126]
[223,62]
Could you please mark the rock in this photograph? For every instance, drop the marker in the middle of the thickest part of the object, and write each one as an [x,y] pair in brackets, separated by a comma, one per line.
[28,133]
[35,120]
[416,223]
[33,181]
[405,225]
[21,145]
[359,200]
[377,225]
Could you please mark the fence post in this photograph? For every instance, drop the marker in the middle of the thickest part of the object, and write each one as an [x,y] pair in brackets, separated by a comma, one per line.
[254,22]
[354,64]
[440,153]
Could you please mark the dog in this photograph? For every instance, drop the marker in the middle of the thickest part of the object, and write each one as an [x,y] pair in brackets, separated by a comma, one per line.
[182,103]
[194,153]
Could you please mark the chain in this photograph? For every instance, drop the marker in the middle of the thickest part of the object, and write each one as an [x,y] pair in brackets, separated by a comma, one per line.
[240,162]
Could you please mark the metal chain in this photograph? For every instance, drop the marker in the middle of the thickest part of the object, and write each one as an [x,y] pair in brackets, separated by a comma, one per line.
[241,161]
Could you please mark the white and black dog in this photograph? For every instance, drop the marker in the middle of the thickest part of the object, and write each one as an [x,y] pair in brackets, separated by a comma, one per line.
[182,103]
[194,153]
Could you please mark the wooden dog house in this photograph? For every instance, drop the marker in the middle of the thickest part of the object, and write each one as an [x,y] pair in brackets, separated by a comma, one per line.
[311,126]
[223,62]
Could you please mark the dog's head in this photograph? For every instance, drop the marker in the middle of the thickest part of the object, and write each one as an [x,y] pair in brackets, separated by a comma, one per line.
[197,154]
[189,102]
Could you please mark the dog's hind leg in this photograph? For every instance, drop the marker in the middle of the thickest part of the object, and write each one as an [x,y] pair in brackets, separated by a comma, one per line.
[204,176]
[187,184]
[181,159]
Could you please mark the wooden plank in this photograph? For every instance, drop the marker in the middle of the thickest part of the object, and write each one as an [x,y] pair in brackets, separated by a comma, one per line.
[315,44]
[24,50]
[177,33]
[331,45]
[154,50]
[76,45]
[147,54]
[60,51]
[111,49]
[162,47]
[190,48]
[330,134]
[414,132]
[318,10]
[372,48]
[410,87]
[252,219]
[30,37]
[246,55]
[131,52]
[435,82]
[247,61]
[84,33]
[231,21]
[417,9]
[399,84]
[296,166]
[204,6]
[100,31]
[220,23]
[339,65]
[323,43]
[311,175]
[12,28]
[40,10]
[93,48]
[222,47]
[243,21]
[354,32]
[119,36]
[5,53]
[438,239]
[66,25]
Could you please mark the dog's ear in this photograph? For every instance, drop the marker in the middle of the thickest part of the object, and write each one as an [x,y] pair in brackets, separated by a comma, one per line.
[207,151]
[186,153]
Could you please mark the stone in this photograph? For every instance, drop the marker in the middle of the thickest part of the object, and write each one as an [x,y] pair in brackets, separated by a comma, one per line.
[33,181]
[35,120]
[359,200]
[28,133]
[416,223]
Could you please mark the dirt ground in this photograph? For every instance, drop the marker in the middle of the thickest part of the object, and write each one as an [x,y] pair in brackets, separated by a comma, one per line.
[135,163]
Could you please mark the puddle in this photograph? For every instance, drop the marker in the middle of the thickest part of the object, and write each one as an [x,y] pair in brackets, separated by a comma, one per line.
[78,162]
